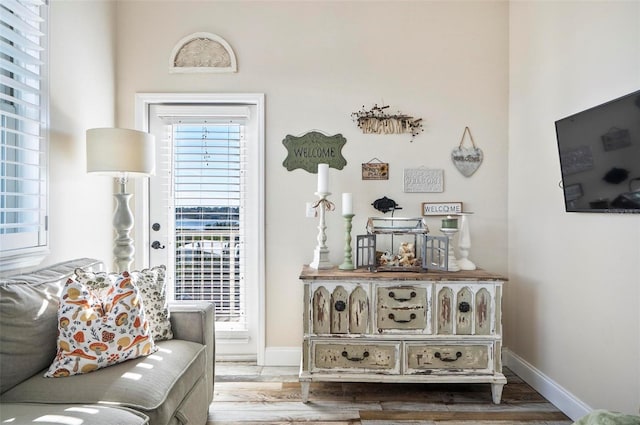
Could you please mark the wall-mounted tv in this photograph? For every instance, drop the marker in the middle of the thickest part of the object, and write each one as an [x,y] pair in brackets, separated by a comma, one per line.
[600,157]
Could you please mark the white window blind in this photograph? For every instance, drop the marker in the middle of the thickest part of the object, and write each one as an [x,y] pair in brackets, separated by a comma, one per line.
[23,124]
[207,202]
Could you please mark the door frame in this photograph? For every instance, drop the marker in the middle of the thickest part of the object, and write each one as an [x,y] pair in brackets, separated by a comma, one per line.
[141,199]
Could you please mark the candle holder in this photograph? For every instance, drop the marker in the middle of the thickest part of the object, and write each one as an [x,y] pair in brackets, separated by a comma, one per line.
[449,232]
[321,253]
[347,264]
[464,244]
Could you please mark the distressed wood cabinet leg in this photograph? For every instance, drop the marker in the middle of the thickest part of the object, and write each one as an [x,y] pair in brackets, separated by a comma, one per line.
[496,392]
[304,386]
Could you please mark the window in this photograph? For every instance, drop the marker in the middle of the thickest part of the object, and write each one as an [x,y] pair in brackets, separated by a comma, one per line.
[23,137]
[207,205]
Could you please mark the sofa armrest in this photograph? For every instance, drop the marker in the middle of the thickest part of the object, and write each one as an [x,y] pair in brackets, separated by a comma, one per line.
[195,322]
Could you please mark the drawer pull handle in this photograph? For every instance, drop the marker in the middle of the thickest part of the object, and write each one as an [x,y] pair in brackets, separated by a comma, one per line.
[464,307]
[411,295]
[355,359]
[447,359]
[392,317]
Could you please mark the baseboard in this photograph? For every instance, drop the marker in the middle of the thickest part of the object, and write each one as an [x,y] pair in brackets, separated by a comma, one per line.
[282,356]
[568,403]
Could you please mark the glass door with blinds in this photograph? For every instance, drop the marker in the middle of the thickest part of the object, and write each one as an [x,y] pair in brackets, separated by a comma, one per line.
[200,214]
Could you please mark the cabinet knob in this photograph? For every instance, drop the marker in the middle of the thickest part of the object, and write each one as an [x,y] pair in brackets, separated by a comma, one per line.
[340,305]
[464,307]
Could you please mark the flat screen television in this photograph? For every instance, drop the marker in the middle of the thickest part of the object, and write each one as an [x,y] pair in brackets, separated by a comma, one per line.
[600,157]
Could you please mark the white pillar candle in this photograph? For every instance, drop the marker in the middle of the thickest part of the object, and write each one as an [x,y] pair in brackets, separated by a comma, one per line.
[347,203]
[323,178]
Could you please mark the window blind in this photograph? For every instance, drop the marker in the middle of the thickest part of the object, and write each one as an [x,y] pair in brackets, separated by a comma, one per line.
[207,203]
[23,123]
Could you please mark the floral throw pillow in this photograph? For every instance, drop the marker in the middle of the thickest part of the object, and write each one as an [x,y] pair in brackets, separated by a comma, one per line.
[96,331]
[153,289]
[151,283]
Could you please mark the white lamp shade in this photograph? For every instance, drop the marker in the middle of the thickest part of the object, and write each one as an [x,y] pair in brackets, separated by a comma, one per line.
[118,151]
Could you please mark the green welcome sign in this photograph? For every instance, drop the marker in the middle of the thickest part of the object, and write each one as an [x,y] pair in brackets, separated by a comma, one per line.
[313,148]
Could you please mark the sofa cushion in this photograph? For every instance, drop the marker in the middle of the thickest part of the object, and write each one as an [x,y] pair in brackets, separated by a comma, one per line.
[96,331]
[155,385]
[153,289]
[28,324]
[56,414]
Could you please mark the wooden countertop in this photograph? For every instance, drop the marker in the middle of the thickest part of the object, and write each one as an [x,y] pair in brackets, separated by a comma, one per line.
[334,273]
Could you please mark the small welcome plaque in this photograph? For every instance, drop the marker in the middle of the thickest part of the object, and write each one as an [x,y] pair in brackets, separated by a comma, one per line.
[375,171]
[441,208]
[423,180]
[313,148]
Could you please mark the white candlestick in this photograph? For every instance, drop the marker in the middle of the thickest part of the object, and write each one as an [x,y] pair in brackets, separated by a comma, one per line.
[323,178]
[347,203]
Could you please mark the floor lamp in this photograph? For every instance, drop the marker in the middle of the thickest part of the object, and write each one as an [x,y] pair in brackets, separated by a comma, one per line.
[121,153]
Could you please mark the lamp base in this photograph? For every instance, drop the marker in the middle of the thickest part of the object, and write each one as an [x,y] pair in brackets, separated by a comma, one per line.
[123,248]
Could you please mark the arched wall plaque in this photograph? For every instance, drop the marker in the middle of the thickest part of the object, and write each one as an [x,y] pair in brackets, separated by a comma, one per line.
[202,52]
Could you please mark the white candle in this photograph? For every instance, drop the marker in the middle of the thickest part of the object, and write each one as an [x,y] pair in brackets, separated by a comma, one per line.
[323,178]
[347,203]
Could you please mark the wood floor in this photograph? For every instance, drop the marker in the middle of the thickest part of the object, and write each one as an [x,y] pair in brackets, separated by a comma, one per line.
[250,394]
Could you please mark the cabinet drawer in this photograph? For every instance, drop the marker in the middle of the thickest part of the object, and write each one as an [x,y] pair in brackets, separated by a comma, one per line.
[403,296]
[357,357]
[401,308]
[423,358]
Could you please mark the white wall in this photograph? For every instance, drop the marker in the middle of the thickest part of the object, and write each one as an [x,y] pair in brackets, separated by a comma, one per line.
[82,96]
[317,62]
[573,296]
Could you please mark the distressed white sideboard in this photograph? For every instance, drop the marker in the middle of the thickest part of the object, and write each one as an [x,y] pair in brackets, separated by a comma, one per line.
[436,327]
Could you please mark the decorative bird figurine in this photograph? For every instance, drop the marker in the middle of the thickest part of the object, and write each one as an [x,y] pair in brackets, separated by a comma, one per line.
[385,205]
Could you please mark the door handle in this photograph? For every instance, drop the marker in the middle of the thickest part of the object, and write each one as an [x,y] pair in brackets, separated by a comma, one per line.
[157,245]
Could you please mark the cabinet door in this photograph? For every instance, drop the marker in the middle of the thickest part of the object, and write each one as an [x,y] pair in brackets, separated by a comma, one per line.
[466,308]
[339,308]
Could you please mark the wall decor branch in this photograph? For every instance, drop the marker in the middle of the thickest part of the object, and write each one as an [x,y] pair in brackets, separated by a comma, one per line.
[378,121]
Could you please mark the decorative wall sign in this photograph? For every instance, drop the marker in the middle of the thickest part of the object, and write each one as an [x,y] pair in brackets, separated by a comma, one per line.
[576,160]
[377,121]
[202,52]
[467,160]
[423,180]
[441,208]
[313,148]
[616,139]
[375,170]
